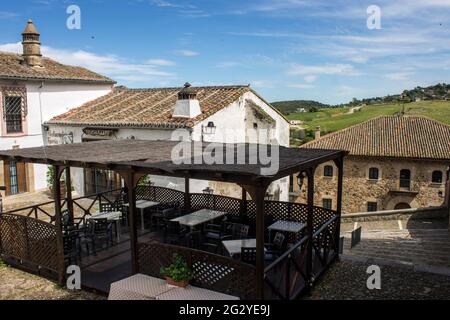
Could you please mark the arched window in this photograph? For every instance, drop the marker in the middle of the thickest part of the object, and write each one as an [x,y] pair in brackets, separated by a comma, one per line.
[328,171]
[374,173]
[405,178]
[436,177]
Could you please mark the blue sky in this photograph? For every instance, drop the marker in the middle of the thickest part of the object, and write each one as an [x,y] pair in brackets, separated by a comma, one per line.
[286,49]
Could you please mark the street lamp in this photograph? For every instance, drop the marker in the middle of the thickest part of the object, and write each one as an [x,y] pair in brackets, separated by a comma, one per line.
[210,128]
[301,179]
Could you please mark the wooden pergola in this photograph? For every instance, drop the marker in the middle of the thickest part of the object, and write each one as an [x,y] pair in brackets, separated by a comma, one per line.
[133,159]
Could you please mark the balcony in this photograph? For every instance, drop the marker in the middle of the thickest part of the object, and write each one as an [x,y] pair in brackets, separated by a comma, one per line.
[404,186]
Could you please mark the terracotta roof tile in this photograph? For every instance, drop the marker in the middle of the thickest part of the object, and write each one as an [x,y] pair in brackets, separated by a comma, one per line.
[391,136]
[148,107]
[11,67]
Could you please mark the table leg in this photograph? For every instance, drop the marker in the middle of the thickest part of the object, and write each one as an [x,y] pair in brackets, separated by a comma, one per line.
[142,220]
[118,230]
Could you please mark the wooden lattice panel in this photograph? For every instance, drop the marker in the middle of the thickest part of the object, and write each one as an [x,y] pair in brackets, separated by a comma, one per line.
[29,241]
[213,272]
[159,194]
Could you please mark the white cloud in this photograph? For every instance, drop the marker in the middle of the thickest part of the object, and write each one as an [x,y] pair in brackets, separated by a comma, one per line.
[262,84]
[310,78]
[301,86]
[227,64]
[109,65]
[7,14]
[399,75]
[160,62]
[187,53]
[343,69]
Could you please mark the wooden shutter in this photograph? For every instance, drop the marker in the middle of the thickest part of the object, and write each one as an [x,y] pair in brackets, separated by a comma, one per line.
[7,177]
[22,177]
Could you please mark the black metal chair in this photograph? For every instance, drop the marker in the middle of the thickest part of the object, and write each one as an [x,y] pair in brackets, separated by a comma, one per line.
[275,249]
[174,232]
[238,231]
[195,240]
[72,250]
[248,255]
[161,216]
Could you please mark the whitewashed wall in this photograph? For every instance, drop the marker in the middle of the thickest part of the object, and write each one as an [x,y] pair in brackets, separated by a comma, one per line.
[232,118]
[44,101]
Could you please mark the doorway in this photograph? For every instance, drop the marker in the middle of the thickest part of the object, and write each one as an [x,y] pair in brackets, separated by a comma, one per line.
[402,205]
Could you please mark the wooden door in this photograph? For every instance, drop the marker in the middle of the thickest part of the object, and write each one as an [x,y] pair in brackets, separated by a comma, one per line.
[15,177]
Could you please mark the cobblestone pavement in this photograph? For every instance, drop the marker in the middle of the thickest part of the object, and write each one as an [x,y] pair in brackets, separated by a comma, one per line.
[421,248]
[19,285]
[346,280]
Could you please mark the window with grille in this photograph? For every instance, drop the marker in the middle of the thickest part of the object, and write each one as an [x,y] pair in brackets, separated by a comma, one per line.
[372,206]
[13,114]
[327,203]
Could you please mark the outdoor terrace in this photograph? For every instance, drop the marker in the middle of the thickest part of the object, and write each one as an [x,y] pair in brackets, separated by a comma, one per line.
[43,246]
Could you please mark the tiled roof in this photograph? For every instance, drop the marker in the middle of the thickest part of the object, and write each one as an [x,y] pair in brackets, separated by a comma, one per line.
[391,136]
[11,67]
[125,107]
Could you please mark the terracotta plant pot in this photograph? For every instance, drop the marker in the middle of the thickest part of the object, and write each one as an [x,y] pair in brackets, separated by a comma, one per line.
[181,284]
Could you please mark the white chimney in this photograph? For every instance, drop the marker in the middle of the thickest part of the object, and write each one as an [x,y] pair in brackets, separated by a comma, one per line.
[317,133]
[187,105]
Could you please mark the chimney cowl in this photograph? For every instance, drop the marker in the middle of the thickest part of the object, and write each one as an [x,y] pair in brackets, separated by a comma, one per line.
[187,93]
[187,105]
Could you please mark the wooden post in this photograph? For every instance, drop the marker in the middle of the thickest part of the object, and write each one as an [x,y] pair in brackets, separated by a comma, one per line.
[257,193]
[58,225]
[340,165]
[243,209]
[310,227]
[69,199]
[130,182]
[187,195]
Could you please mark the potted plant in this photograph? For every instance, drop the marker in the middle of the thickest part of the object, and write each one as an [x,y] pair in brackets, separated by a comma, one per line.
[178,273]
[51,174]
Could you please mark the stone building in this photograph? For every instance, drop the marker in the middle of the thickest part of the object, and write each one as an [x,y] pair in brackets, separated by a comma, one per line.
[33,89]
[395,162]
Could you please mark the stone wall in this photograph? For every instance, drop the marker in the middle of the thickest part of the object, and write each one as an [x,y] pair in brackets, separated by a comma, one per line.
[359,189]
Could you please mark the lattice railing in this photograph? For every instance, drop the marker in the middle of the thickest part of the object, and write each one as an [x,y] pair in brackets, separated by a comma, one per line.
[213,272]
[28,242]
[325,246]
[286,277]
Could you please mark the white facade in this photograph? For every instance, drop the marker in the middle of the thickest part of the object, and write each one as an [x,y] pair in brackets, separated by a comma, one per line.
[44,100]
[231,125]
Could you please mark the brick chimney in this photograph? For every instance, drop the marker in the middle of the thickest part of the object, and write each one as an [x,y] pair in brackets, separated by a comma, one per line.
[317,133]
[187,105]
[31,46]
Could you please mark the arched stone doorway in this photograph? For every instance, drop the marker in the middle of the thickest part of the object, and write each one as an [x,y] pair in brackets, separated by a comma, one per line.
[402,205]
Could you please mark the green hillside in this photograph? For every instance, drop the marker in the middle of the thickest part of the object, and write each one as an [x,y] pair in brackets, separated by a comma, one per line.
[339,118]
[288,107]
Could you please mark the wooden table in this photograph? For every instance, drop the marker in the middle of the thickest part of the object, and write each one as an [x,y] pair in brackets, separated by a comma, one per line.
[199,217]
[142,287]
[113,216]
[142,205]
